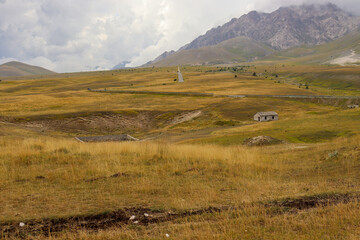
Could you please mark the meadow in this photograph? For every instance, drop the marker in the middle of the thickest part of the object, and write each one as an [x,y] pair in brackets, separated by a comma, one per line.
[190,173]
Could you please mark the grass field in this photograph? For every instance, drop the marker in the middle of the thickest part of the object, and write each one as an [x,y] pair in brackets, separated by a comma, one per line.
[192,175]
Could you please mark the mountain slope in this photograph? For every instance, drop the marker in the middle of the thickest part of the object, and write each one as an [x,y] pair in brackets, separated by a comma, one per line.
[284,28]
[256,35]
[121,65]
[347,47]
[11,69]
[240,49]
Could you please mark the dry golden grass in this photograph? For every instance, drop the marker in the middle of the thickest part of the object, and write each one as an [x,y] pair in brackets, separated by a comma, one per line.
[340,222]
[161,175]
[69,94]
[178,177]
[44,175]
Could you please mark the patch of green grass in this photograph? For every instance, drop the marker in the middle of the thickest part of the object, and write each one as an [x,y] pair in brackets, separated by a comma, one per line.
[166,116]
[230,123]
[224,140]
[316,113]
[127,112]
[317,136]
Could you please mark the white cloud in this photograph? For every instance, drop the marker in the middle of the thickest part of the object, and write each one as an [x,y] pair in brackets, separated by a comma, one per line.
[5,60]
[68,35]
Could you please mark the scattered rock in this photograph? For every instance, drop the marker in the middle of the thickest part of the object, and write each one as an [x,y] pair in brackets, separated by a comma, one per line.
[167,235]
[120,217]
[40,177]
[261,141]
[332,155]
[116,175]
[22,224]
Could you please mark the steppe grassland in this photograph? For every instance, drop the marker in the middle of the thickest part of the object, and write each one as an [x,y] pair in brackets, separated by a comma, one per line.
[323,80]
[162,176]
[181,177]
[69,92]
[166,176]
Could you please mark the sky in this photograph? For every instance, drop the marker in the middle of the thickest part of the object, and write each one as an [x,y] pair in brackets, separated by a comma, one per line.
[86,35]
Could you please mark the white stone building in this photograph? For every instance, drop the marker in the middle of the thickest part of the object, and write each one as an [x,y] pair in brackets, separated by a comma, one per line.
[266,116]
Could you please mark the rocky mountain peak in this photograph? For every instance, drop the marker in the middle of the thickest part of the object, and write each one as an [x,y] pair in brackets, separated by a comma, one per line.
[284,28]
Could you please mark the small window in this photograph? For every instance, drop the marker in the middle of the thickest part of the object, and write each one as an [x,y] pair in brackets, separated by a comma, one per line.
[265,117]
[273,117]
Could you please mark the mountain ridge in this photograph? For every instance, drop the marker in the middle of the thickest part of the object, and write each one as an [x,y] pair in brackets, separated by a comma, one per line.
[285,28]
[16,69]
[240,49]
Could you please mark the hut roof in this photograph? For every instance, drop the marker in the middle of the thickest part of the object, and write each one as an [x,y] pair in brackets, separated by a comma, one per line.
[111,138]
[266,113]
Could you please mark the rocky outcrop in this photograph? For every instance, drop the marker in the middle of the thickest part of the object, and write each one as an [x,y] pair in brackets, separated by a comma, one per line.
[262,141]
[284,28]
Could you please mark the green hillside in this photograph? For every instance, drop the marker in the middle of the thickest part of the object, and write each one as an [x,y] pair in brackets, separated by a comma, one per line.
[240,49]
[321,54]
[12,69]
[243,49]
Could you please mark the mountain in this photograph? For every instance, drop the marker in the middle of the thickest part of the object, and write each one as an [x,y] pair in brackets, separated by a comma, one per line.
[161,57]
[12,69]
[240,49]
[121,65]
[285,28]
[342,51]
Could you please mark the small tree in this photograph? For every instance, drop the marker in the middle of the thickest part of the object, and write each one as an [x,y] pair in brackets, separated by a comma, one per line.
[235,76]
[254,74]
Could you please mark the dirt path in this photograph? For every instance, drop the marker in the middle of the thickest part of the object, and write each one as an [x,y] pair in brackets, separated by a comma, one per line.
[145,216]
[186,117]
[227,96]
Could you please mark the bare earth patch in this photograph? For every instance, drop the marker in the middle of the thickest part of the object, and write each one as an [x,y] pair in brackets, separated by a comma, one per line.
[186,117]
[103,122]
[145,216]
[346,60]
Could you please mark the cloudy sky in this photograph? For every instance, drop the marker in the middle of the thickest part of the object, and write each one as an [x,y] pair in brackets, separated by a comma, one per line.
[82,35]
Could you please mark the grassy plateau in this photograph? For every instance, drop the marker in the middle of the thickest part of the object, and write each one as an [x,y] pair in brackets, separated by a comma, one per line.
[190,176]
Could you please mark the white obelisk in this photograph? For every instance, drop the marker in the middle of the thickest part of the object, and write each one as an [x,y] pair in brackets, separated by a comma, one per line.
[180,77]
